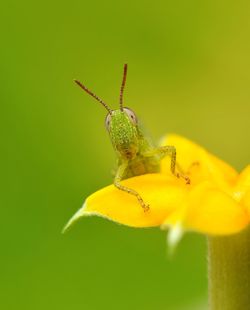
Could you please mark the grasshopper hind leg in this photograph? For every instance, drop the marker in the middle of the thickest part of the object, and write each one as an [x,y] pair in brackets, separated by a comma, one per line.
[117,182]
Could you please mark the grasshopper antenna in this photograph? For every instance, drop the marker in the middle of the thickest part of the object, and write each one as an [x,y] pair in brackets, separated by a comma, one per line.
[93,95]
[125,69]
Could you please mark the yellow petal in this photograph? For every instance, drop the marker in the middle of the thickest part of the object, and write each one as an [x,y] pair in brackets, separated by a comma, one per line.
[199,164]
[163,194]
[243,183]
[246,202]
[210,211]
[242,189]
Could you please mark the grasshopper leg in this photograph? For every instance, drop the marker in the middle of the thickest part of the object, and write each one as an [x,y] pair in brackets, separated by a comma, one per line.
[170,150]
[117,182]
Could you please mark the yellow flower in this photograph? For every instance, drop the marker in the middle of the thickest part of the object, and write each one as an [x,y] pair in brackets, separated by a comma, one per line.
[217,202]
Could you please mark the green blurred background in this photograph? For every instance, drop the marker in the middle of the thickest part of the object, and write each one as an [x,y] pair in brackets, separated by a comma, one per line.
[188,73]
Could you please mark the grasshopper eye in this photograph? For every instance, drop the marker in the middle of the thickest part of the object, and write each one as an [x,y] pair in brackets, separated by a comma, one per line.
[131,115]
[107,121]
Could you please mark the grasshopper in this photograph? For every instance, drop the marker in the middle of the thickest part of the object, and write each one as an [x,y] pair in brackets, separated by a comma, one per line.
[136,155]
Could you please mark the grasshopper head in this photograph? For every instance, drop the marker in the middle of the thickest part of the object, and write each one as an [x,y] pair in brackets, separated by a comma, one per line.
[122,128]
[121,124]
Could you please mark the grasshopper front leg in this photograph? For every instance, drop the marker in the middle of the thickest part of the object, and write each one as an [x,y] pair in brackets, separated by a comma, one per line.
[169,150]
[119,175]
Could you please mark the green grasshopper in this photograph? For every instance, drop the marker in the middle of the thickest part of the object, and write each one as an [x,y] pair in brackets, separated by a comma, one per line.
[136,154]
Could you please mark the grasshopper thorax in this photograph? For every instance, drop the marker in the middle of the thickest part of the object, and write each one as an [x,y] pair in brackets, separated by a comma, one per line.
[123,131]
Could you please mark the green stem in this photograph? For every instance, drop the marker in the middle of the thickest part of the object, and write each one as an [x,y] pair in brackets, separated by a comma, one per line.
[229,272]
